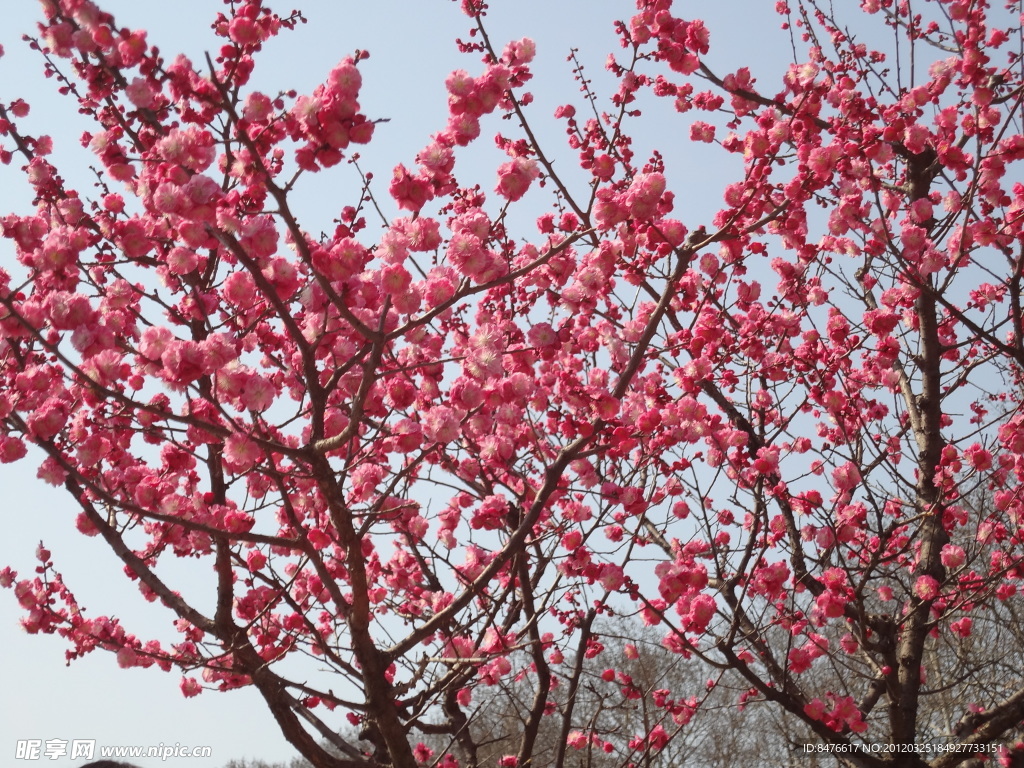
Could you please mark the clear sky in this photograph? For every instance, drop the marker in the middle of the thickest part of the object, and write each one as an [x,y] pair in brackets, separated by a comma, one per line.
[412,50]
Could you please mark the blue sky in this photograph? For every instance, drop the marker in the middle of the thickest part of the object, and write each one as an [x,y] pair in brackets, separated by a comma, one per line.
[411,42]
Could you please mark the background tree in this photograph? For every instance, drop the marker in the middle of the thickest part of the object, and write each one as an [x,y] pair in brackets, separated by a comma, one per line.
[612,710]
[414,458]
[296,763]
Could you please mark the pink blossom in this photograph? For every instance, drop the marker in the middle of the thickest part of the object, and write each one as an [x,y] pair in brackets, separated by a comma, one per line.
[437,158]
[256,560]
[519,52]
[770,580]
[441,424]
[921,210]
[11,449]
[395,279]
[410,192]
[542,335]
[318,539]
[181,261]
[141,93]
[7,577]
[881,322]
[612,577]
[962,627]
[926,587]
[702,610]
[572,540]
[846,477]
[190,687]
[831,604]
[440,286]
[259,236]
[244,31]
[799,661]
[978,457]
[657,738]
[844,714]
[258,394]
[822,160]
[345,79]
[48,419]
[643,195]
[603,167]
[700,131]
[953,556]
[460,86]
[815,709]
[240,453]
[609,209]
[127,657]
[514,178]
[408,435]
[834,579]
[257,107]
[577,740]
[468,254]
[422,753]
[463,128]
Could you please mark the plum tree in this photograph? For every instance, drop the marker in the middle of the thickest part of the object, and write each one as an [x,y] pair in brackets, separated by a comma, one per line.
[419,456]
